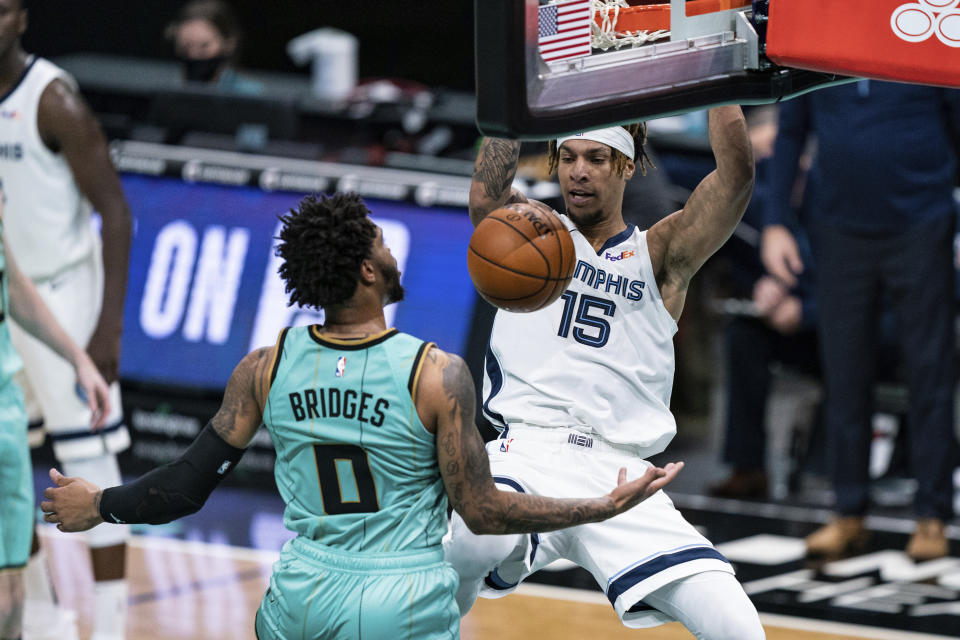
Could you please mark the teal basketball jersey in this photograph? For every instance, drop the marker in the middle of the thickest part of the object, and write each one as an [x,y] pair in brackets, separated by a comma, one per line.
[355,465]
[10,362]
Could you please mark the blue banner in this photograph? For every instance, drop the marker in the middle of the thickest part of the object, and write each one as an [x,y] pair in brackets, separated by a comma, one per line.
[204,291]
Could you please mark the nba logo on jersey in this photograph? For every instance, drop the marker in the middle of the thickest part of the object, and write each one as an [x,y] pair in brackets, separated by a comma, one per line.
[505,445]
[341,366]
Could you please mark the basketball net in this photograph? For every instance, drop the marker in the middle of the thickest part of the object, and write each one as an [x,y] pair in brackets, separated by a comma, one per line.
[603,31]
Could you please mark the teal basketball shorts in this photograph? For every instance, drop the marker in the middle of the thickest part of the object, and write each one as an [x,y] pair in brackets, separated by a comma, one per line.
[318,592]
[16,481]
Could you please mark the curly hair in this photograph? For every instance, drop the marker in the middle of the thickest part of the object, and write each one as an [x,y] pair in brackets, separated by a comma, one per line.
[637,130]
[323,243]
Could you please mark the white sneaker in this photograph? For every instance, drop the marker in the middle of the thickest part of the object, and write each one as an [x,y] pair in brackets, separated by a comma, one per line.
[46,621]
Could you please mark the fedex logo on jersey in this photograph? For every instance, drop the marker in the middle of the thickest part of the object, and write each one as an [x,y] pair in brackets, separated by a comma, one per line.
[623,255]
[341,366]
[9,114]
[615,283]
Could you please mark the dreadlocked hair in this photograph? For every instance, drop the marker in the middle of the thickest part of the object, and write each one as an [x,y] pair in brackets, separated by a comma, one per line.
[637,130]
[323,243]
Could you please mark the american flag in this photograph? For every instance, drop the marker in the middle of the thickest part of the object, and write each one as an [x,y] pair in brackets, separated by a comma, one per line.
[564,30]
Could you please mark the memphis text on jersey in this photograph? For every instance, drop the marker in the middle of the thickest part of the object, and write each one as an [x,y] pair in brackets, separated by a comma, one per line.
[609,282]
[338,403]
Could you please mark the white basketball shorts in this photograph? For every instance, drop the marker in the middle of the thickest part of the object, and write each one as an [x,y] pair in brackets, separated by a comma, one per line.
[629,555]
[49,383]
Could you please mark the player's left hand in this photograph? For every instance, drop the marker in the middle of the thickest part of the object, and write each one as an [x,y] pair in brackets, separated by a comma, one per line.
[104,350]
[73,504]
[629,494]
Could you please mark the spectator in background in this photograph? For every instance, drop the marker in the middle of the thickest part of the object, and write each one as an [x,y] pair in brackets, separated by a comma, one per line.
[206,36]
[776,326]
[881,225]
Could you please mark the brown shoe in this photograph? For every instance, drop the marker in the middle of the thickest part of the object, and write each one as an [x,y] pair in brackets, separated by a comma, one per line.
[750,484]
[837,537]
[929,540]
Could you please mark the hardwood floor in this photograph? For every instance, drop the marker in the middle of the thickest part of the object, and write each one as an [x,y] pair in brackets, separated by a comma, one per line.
[199,591]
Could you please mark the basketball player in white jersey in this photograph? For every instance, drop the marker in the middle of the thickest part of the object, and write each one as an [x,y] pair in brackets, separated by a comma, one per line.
[586,382]
[54,164]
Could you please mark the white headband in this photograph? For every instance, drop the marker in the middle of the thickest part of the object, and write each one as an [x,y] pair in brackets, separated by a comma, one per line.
[616,137]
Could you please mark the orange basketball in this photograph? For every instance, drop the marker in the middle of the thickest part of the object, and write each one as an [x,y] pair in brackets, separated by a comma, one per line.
[521,257]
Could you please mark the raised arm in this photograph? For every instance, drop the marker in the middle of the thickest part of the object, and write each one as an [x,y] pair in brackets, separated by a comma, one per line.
[181,487]
[682,242]
[32,313]
[67,126]
[446,404]
[493,174]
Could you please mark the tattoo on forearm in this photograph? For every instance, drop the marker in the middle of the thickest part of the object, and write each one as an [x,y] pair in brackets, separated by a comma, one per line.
[547,514]
[496,166]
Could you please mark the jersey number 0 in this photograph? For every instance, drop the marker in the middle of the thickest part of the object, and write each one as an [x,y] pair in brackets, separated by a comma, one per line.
[346,483]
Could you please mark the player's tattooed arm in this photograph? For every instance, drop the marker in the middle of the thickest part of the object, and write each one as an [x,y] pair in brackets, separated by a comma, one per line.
[244,399]
[493,174]
[466,471]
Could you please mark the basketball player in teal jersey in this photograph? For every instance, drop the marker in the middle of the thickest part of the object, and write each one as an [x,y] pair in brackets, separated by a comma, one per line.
[374,433]
[19,299]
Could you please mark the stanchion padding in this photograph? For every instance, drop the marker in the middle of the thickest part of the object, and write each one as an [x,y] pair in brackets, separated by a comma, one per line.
[914,41]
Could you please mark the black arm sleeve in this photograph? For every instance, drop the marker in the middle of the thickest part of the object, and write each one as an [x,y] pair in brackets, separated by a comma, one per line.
[176,489]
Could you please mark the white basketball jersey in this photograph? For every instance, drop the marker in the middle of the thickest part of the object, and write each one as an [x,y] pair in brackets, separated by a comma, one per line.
[47,219]
[598,360]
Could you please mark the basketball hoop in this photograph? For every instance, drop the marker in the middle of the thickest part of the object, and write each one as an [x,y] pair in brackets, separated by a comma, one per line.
[617,24]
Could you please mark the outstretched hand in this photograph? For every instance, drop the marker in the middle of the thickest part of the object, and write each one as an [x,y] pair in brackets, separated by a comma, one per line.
[73,504]
[629,494]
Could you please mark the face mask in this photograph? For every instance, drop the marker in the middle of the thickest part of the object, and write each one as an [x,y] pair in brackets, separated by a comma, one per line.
[201,70]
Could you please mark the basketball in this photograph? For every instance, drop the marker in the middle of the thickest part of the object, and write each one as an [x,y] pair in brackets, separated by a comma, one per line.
[521,257]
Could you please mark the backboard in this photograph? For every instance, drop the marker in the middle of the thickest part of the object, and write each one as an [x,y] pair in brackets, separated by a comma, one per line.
[545,68]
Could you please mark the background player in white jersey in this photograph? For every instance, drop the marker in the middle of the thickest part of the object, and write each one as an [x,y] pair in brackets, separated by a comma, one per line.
[54,164]
[19,299]
[586,382]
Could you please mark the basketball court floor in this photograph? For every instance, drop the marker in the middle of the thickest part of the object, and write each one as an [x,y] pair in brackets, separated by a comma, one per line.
[202,577]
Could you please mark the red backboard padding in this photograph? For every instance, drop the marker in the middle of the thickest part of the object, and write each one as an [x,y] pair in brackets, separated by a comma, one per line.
[907,40]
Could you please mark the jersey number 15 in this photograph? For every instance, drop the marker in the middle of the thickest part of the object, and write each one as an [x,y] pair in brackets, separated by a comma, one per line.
[588,328]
